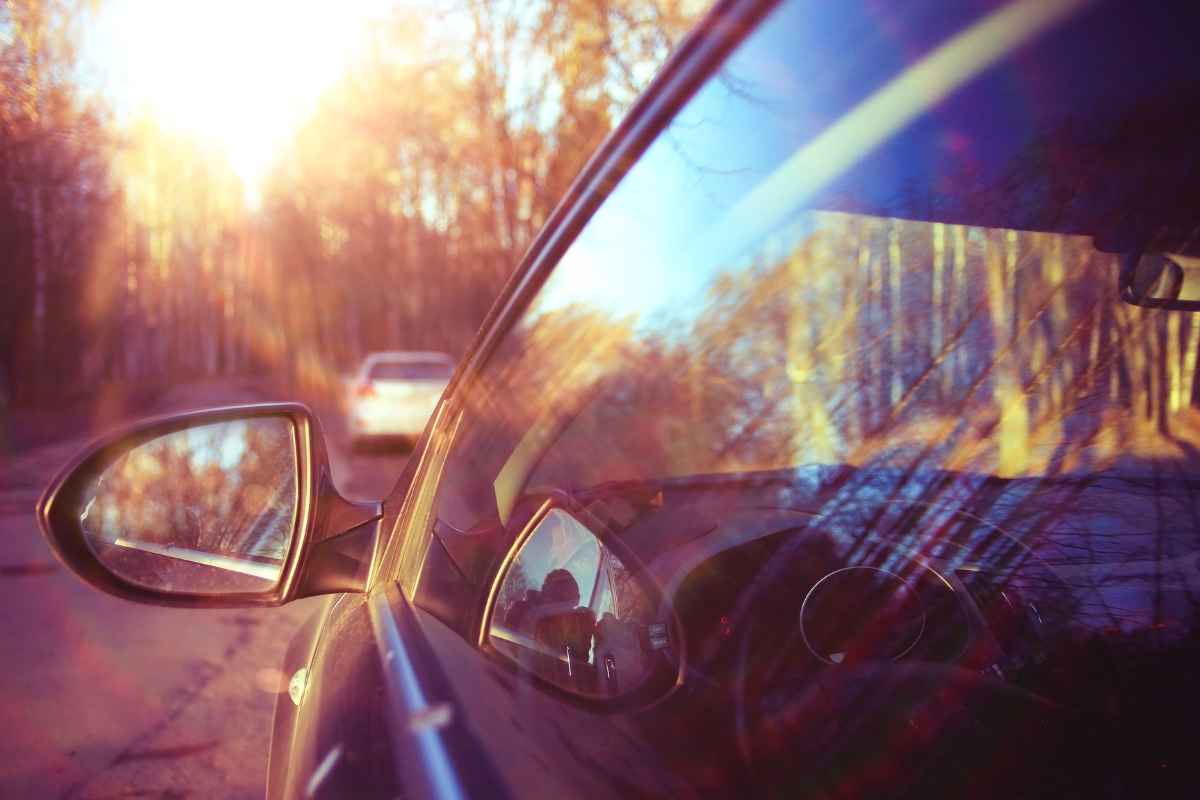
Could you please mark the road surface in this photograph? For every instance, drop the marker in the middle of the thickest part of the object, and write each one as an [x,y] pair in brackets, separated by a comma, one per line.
[103,698]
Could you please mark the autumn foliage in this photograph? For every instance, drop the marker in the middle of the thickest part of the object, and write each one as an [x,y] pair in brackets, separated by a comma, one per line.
[134,255]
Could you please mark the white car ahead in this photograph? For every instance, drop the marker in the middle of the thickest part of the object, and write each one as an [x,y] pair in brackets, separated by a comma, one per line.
[393,395]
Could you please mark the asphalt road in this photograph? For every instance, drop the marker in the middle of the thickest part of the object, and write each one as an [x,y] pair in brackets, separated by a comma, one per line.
[103,698]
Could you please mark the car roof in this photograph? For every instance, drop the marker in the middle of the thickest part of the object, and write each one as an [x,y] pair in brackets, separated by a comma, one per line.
[407,356]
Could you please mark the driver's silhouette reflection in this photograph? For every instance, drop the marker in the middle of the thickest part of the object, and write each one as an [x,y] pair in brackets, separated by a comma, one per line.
[556,620]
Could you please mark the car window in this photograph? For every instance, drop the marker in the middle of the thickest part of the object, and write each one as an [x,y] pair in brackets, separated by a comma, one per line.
[410,371]
[868,273]
[725,312]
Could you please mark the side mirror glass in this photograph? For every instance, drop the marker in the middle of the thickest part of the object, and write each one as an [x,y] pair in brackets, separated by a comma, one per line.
[571,611]
[225,507]
[209,509]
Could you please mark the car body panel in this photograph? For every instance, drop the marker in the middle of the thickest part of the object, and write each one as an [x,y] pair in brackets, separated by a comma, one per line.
[337,741]
[284,756]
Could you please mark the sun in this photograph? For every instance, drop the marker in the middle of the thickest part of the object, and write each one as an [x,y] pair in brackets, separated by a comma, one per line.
[239,74]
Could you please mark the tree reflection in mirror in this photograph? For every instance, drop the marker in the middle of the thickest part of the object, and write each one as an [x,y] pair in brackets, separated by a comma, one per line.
[208,510]
[570,611]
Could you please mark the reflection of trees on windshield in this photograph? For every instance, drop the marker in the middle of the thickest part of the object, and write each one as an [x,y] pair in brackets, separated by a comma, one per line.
[910,349]
[224,489]
[926,392]
[900,392]
[1006,352]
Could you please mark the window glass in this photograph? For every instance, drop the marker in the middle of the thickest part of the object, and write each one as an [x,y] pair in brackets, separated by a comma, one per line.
[410,370]
[734,308]
[869,273]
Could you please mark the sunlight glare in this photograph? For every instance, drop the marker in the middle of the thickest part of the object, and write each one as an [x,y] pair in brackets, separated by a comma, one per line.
[242,74]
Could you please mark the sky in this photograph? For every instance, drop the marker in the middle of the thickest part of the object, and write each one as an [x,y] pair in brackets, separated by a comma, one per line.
[727,203]
[238,74]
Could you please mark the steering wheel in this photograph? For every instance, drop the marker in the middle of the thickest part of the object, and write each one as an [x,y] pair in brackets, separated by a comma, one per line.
[905,730]
[832,695]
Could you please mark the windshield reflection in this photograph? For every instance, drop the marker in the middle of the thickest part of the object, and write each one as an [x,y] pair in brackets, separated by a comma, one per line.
[896,371]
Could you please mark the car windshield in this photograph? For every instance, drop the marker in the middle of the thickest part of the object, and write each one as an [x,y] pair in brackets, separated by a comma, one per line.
[867,277]
[410,371]
[812,300]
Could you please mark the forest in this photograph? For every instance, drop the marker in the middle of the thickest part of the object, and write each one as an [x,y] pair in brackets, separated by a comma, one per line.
[135,256]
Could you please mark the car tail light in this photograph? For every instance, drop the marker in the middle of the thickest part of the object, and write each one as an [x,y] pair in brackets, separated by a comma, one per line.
[364,390]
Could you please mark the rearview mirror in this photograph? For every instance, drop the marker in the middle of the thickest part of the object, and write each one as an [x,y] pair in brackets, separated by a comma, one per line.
[573,612]
[1161,280]
[231,506]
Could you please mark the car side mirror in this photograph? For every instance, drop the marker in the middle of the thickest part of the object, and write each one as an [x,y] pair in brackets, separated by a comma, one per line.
[227,507]
[571,610]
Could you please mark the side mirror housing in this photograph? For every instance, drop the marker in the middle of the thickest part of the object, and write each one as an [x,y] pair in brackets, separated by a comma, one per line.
[1160,280]
[226,507]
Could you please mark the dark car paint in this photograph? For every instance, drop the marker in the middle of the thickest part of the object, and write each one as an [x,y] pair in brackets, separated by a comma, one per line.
[336,743]
[437,746]
[550,747]
[284,726]
[329,702]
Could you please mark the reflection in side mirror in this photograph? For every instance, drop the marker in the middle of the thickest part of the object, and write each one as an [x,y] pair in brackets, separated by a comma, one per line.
[225,507]
[570,611]
[204,510]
